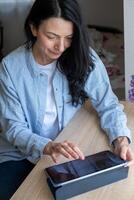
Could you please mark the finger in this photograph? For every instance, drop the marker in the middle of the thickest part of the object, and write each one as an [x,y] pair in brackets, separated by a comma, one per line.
[64,152]
[123,152]
[59,148]
[130,154]
[70,151]
[130,163]
[77,150]
[130,157]
[55,157]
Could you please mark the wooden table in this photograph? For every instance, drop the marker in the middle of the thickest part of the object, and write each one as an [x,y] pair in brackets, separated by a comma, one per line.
[84,130]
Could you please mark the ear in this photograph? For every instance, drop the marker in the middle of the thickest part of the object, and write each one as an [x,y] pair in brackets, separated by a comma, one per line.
[33,30]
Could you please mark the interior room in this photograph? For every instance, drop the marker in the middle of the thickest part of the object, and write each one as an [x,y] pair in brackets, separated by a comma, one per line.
[37,130]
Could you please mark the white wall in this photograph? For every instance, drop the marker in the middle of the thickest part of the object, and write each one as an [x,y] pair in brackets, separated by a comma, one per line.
[129,42]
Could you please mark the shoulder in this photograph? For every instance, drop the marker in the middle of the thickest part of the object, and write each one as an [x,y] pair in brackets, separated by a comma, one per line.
[13,66]
[14,61]
[95,58]
[99,68]
[98,75]
[15,55]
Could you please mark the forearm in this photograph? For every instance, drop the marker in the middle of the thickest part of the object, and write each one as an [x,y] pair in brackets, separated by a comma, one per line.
[27,142]
[114,122]
[122,140]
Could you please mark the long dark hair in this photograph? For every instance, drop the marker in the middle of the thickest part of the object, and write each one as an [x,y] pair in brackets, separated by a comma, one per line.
[75,62]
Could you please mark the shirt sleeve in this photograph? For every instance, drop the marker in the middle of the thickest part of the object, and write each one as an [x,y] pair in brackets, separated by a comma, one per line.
[112,118]
[15,128]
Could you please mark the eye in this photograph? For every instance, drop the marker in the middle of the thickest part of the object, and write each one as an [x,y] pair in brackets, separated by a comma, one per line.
[69,38]
[50,37]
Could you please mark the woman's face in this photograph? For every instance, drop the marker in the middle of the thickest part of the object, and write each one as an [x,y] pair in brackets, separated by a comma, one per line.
[54,36]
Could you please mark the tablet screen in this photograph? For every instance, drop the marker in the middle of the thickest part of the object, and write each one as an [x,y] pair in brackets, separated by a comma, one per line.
[78,168]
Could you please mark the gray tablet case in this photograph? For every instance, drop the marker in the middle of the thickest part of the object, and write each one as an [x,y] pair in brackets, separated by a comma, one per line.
[89,183]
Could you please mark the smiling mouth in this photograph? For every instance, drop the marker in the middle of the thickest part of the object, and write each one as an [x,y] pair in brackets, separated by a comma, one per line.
[56,53]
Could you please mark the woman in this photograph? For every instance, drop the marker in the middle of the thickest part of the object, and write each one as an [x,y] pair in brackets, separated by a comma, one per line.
[42,85]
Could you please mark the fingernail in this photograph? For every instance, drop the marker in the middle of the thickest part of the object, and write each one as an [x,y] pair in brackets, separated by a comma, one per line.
[83,157]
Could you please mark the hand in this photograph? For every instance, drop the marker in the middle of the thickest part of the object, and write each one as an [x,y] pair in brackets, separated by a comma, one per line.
[66,148]
[123,149]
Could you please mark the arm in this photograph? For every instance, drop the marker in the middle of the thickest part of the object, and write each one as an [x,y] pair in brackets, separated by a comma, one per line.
[112,118]
[16,129]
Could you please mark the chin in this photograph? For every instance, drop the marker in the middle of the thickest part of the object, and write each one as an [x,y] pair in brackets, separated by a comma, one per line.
[55,56]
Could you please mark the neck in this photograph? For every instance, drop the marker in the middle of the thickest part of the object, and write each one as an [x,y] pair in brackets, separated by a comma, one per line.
[39,56]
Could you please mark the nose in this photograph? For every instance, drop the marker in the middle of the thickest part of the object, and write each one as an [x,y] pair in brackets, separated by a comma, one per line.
[60,45]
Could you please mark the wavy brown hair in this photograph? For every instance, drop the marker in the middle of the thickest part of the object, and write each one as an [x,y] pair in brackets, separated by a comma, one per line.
[75,63]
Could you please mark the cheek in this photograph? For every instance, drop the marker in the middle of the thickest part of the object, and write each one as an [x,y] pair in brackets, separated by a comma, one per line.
[44,43]
[68,44]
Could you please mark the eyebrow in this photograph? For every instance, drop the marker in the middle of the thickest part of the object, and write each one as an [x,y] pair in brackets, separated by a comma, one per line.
[58,35]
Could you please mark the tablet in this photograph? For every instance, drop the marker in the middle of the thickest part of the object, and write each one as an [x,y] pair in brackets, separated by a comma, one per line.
[92,165]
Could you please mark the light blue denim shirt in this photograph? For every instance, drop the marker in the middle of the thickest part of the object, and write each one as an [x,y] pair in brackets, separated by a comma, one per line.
[23,99]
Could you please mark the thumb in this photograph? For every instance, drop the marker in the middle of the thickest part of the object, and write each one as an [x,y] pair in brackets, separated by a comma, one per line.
[123,152]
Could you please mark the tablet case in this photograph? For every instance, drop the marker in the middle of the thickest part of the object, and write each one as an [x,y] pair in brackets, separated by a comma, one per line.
[89,183]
